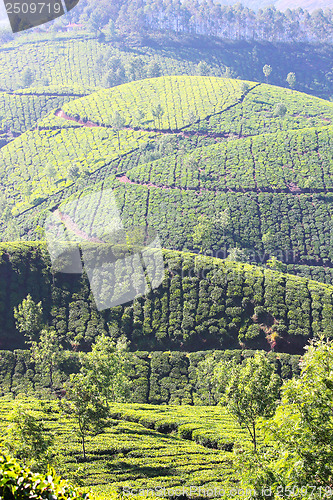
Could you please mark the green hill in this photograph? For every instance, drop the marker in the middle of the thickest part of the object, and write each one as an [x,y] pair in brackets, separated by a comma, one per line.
[275,187]
[203,303]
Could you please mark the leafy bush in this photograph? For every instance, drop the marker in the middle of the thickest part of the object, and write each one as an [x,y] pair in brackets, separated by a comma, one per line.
[17,483]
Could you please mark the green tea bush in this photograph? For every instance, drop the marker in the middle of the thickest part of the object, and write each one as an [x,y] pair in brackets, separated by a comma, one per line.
[17,483]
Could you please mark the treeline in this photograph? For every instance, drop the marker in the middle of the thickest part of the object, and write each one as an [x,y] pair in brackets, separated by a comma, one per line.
[203,303]
[156,377]
[234,22]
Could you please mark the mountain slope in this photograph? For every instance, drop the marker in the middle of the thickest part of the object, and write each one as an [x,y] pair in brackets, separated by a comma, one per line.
[274,188]
[202,303]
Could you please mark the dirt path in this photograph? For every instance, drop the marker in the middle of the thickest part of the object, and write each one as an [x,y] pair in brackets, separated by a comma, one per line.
[289,189]
[72,226]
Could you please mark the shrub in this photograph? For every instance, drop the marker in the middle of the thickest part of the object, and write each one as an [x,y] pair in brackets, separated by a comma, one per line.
[17,483]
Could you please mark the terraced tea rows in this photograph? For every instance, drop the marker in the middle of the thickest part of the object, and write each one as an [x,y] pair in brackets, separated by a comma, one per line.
[203,303]
[222,106]
[21,111]
[183,100]
[128,455]
[293,161]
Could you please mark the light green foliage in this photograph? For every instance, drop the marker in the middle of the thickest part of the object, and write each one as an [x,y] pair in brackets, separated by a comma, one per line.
[84,404]
[146,446]
[107,367]
[267,70]
[26,439]
[118,123]
[300,435]
[20,483]
[252,393]
[29,318]
[291,79]
[46,352]
[209,230]
[174,97]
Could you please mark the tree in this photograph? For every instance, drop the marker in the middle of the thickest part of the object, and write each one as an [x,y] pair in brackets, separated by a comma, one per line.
[280,110]
[154,70]
[50,172]
[84,404]
[47,352]
[245,87]
[27,78]
[139,116]
[251,393]
[291,79]
[192,117]
[73,173]
[209,229]
[94,23]
[206,380]
[29,318]
[267,70]
[118,123]
[202,235]
[300,434]
[203,68]
[106,367]
[116,72]
[27,440]
[157,112]
[237,255]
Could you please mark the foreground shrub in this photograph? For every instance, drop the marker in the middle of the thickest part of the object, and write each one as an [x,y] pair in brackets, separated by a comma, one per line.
[18,483]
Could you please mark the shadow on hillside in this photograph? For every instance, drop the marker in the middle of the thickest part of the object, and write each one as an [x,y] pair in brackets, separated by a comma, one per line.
[140,471]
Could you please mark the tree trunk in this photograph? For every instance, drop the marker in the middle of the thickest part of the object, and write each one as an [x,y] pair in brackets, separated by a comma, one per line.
[83,447]
[254,437]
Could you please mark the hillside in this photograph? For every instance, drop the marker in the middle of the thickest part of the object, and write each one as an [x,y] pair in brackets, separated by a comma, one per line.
[218,146]
[203,303]
[83,62]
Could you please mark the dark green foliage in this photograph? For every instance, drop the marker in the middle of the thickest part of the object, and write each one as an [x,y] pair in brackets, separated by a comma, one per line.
[203,303]
[156,377]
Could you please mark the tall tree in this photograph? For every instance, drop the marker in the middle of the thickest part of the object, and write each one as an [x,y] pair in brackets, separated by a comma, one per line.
[300,434]
[291,79]
[106,366]
[118,123]
[29,318]
[84,404]
[157,112]
[47,353]
[267,70]
[27,439]
[252,392]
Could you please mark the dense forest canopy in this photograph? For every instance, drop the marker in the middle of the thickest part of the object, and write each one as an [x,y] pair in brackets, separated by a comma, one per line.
[209,18]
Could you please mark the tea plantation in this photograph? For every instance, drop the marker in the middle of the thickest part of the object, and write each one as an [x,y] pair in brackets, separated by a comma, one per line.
[143,447]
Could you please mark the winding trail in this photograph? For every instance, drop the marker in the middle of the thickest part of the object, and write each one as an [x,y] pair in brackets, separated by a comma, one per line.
[72,226]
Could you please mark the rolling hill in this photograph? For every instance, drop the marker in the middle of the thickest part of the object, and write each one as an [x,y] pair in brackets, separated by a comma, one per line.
[203,303]
[219,146]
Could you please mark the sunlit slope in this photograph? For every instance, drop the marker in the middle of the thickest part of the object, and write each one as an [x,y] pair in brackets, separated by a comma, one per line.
[38,162]
[22,109]
[131,455]
[41,159]
[207,104]
[274,187]
[294,161]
